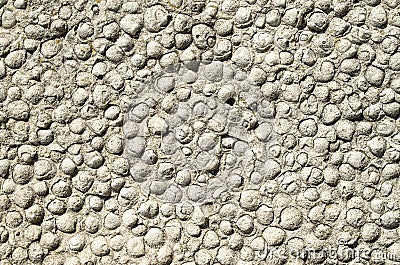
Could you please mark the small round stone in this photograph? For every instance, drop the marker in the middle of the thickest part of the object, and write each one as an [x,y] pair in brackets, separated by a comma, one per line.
[391,171]
[324,71]
[245,224]
[32,233]
[265,215]
[40,188]
[273,18]
[117,242]
[50,241]
[57,207]
[13,219]
[18,110]
[156,18]
[5,203]
[193,230]
[165,255]
[115,54]
[35,214]
[112,221]
[274,236]
[24,197]
[390,220]
[154,237]
[330,114]
[291,218]
[207,141]
[318,21]
[355,217]
[211,240]
[242,57]
[44,169]
[75,203]
[68,166]
[111,30]
[378,17]
[377,146]
[250,200]
[112,112]
[85,30]
[357,159]
[226,255]
[51,48]
[202,257]
[61,189]
[345,130]
[129,218]
[135,247]
[308,128]
[149,209]
[96,203]
[374,76]
[370,232]
[66,223]
[195,193]
[183,177]
[203,36]
[15,59]
[99,246]
[76,242]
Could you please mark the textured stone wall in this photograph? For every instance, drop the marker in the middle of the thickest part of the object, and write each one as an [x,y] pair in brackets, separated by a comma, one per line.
[199,132]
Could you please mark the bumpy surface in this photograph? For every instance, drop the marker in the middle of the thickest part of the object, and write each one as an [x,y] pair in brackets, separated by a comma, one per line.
[199,132]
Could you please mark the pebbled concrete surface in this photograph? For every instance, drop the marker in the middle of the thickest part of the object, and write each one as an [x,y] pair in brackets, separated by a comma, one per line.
[199,132]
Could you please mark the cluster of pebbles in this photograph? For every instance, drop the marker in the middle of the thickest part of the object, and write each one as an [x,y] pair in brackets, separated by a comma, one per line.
[199,132]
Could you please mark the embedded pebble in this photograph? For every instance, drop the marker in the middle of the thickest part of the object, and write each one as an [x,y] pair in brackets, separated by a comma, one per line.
[226,255]
[390,220]
[132,23]
[274,236]
[154,237]
[156,18]
[15,59]
[245,224]
[291,218]
[24,197]
[265,215]
[66,223]
[135,247]
[99,246]
[250,200]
